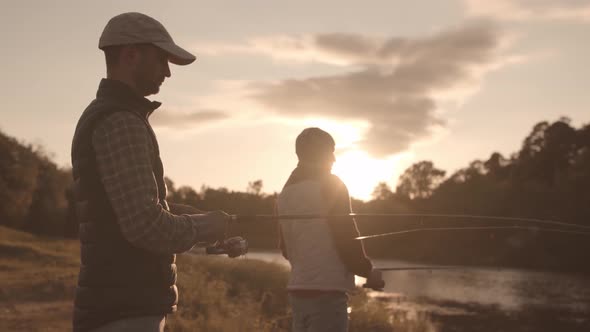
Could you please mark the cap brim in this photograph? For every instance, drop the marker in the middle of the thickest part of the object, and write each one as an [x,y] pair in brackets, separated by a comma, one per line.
[178,55]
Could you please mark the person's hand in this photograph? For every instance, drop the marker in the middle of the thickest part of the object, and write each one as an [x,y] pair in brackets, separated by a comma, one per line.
[218,222]
[234,247]
[375,280]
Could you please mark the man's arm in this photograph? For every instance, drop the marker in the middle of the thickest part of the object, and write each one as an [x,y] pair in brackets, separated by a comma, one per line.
[281,238]
[344,230]
[123,154]
[179,209]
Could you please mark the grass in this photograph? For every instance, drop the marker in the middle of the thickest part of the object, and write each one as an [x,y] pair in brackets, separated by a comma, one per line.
[38,277]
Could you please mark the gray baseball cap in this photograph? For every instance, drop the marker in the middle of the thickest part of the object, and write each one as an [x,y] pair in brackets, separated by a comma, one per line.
[138,28]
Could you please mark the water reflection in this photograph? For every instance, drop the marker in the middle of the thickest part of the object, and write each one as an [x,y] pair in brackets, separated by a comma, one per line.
[474,298]
[508,289]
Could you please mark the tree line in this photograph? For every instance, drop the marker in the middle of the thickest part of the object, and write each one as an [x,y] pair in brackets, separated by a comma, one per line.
[548,178]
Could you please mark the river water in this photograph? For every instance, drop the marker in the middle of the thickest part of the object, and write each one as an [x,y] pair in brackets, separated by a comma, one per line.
[476,297]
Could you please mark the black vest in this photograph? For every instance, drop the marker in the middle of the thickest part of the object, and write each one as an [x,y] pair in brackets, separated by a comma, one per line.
[117,280]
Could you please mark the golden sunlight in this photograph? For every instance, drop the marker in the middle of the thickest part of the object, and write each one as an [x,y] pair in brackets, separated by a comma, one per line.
[346,134]
[361,173]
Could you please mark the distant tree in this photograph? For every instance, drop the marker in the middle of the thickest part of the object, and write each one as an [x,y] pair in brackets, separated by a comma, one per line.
[169,185]
[382,192]
[547,152]
[535,141]
[255,187]
[475,169]
[187,195]
[420,180]
[19,169]
[49,206]
[183,195]
[497,165]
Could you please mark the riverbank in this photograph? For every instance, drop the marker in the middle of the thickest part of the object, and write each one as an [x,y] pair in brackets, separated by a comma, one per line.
[38,276]
[479,298]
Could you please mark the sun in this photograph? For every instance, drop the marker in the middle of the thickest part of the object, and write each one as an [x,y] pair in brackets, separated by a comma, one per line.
[356,168]
[361,173]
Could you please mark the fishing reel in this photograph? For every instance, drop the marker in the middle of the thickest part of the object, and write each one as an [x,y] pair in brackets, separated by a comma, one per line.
[376,287]
[234,247]
[375,280]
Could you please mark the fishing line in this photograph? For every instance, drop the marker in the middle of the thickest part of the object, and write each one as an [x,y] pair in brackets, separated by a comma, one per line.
[434,229]
[260,217]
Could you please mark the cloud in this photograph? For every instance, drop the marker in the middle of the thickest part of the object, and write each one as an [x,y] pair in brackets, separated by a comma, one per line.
[395,85]
[185,120]
[520,10]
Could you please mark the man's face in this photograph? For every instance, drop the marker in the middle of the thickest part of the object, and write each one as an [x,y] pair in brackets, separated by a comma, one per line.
[331,160]
[150,69]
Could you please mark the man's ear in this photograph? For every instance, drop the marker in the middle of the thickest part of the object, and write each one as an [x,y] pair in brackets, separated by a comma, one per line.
[130,55]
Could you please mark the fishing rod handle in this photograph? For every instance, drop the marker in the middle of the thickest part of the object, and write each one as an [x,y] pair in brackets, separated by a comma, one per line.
[373,287]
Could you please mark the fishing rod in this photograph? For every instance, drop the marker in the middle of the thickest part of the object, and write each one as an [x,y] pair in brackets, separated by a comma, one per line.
[411,268]
[222,248]
[579,231]
[431,229]
[434,229]
[418,268]
[261,217]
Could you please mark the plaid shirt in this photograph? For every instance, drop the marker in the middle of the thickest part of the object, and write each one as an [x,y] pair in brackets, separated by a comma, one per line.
[124,153]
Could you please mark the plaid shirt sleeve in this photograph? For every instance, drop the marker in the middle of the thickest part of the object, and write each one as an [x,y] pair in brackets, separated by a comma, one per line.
[123,153]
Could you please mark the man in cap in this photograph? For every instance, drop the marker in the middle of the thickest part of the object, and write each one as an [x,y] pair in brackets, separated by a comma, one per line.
[129,234]
[323,253]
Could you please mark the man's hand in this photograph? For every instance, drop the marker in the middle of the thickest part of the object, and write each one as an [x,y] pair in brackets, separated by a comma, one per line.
[218,222]
[211,227]
[375,280]
[234,247]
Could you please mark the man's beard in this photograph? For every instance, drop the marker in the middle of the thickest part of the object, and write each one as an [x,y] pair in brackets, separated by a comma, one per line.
[145,85]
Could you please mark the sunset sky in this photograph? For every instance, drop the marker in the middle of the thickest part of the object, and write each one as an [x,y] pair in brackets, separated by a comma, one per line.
[395,82]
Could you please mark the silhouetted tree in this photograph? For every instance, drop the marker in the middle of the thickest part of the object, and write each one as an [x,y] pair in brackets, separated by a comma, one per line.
[48,209]
[255,187]
[382,191]
[19,170]
[420,180]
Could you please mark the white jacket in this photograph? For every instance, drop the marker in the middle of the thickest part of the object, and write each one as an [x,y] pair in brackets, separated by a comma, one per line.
[315,263]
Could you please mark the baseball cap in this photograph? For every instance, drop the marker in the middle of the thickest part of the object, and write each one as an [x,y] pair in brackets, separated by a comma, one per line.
[138,28]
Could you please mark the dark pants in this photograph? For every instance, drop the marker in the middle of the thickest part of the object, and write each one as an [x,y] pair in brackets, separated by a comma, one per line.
[135,324]
[323,313]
